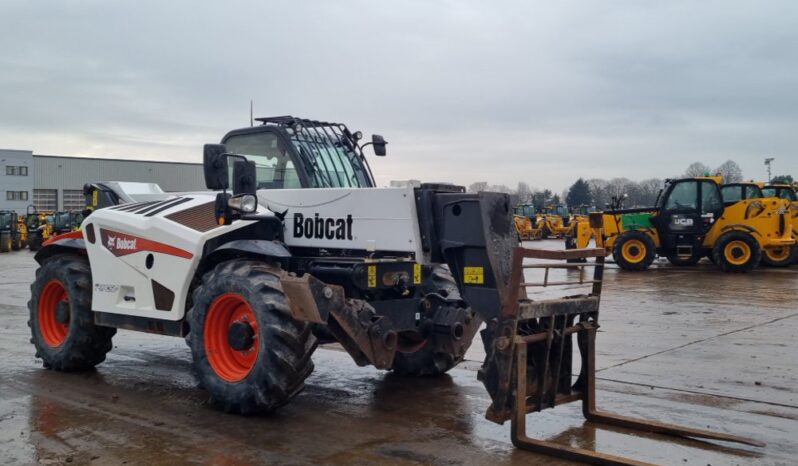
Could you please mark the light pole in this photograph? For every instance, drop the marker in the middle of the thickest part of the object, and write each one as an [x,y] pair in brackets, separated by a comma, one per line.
[768,161]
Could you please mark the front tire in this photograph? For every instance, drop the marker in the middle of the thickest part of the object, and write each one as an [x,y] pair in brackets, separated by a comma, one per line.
[427,356]
[5,241]
[249,352]
[634,250]
[780,257]
[61,320]
[737,252]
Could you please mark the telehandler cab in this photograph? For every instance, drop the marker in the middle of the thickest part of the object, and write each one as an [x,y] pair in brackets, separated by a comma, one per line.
[401,277]
[691,221]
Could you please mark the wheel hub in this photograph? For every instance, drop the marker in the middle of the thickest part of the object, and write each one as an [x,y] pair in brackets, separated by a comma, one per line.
[62,312]
[240,335]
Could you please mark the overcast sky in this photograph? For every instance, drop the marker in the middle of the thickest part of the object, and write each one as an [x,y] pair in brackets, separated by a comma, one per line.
[542,92]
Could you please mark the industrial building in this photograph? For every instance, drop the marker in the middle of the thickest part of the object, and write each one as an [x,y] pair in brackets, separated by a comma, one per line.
[51,182]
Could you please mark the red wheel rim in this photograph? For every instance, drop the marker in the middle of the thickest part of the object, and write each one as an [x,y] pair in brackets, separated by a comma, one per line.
[53,331]
[230,364]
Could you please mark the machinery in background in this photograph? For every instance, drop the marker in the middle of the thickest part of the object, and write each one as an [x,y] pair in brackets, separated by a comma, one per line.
[10,234]
[527,220]
[691,220]
[40,227]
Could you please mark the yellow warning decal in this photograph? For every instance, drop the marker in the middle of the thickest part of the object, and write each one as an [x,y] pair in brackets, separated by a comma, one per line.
[417,274]
[474,275]
[372,276]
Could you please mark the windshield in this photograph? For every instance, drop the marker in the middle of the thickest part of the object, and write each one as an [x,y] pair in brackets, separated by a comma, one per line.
[562,211]
[525,210]
[330,156]
[683,196]
[62,221]
[783,193]
[5,221]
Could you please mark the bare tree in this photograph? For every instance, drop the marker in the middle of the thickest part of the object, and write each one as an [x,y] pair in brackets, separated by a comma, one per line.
[599,190]
[649,190]
[697,169]
[524,193]
[730,171]
[478,186]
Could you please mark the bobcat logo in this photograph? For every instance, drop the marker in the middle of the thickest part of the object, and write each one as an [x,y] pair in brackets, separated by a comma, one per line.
[119,243]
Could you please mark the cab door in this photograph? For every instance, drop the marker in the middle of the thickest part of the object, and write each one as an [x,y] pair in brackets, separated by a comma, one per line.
[688,212]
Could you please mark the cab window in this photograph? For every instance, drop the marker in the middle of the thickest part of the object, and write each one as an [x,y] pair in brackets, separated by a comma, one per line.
[683,196]
[732,193]
[711,201]
[273,165]
[753,192]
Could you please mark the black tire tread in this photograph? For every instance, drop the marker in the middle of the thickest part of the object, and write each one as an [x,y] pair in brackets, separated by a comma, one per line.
[284,361]
[720,258]
[618,254]
[423,362]
[86,344]
[788,261]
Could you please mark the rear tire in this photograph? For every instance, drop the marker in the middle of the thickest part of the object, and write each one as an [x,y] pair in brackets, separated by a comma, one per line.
[570,243]
[425,360]
[634,251]
[737,252]
[276,356]
[5,241]
[780,257]
[35,242]
[61,320]
[16,243]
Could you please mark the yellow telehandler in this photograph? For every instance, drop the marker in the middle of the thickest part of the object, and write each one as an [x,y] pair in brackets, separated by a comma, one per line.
[526,220]
[690,221]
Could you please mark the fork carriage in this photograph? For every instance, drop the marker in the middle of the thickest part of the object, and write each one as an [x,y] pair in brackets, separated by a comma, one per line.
[533,358]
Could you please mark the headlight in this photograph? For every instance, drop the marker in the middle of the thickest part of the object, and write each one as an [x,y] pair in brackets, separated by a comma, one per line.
[246,203]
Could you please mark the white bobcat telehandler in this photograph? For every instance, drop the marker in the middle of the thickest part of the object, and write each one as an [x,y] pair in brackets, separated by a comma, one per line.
[401,277]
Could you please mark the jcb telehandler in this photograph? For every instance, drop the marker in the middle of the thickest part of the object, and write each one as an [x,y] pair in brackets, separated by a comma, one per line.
[401,277]
[10,235]
[554,221]
[40,226]
[526,220]
[691,221]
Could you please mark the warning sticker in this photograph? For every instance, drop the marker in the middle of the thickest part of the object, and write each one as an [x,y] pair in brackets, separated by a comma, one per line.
[416,274]
[372,276]
[474,275]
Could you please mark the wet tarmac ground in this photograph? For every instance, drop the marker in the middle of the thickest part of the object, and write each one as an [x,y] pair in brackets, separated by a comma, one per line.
[687,345]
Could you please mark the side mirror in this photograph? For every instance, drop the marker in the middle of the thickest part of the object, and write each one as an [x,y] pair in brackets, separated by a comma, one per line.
[379,143]
[214,164]
[244,177]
